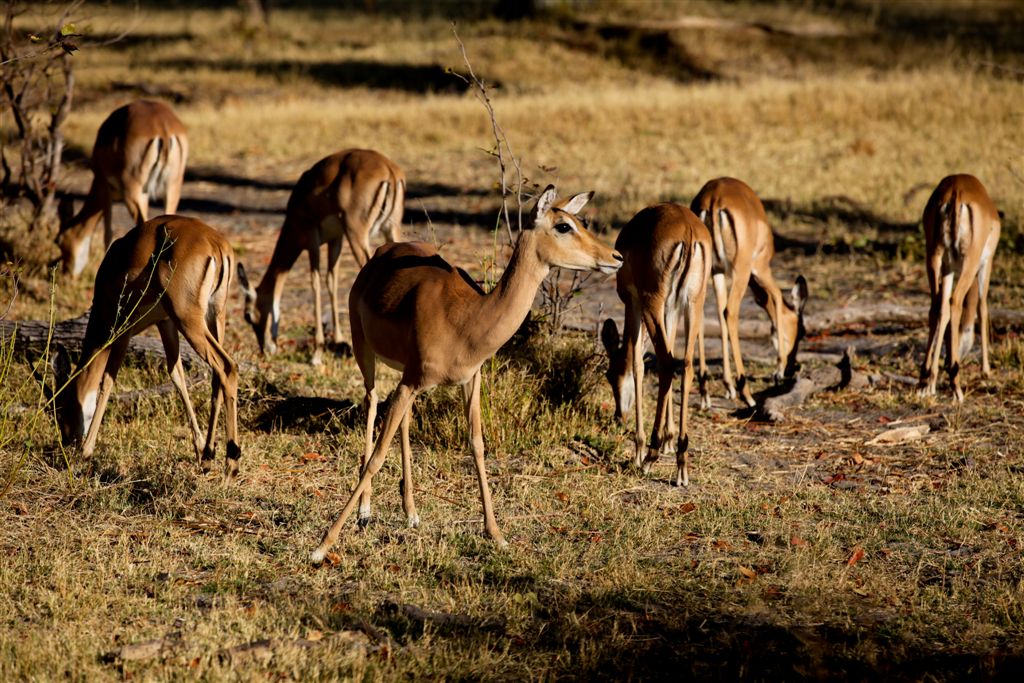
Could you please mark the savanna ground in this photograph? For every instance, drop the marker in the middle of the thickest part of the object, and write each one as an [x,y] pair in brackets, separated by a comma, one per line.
[798,550]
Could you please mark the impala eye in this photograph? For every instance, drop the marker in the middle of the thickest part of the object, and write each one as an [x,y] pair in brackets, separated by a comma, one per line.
[563,228]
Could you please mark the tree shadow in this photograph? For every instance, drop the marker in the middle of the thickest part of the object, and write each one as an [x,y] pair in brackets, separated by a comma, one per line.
[307,414]
[412,78]
[858,221]
[656,51]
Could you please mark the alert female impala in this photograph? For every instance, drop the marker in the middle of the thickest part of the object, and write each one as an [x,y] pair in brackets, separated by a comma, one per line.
[140,150]
[414,312]
[353,195]
[667,252]
[744,247]
[961,232]
[172,272]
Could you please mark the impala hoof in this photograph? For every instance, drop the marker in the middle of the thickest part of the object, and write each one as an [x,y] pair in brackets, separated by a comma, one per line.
[413,521]
[318,555]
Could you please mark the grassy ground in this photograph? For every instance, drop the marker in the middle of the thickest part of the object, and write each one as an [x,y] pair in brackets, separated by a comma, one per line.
[798,551]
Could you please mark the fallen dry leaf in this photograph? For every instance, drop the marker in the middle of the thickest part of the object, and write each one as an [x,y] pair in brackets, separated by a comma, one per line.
[307,457]
[687,507]
[891,437]
[858,554]
[332,558]
[797,541]
[748,572]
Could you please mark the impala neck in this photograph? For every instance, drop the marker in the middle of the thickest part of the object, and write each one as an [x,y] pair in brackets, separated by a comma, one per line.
[268,292]
[497,315]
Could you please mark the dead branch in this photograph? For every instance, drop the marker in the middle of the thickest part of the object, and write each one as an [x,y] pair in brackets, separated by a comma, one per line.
[832,378]
[500,142]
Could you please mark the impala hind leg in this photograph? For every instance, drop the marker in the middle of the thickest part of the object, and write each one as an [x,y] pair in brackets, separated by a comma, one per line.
[224,379]
[172,351]
[740,279]
[721,301]
[967,280]
[984,273]
[412,518]
[938,317]
[400,404]
[476,443]
[370,406]
[693,320]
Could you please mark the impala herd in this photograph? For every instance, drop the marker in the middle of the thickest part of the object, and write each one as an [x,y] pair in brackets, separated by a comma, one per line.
[413,311]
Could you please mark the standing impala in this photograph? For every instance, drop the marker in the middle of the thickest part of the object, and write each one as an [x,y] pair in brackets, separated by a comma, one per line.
[961,232]
[667,252]
[743,249]
[172,272]
[140,150]
[351,195]
[414,312]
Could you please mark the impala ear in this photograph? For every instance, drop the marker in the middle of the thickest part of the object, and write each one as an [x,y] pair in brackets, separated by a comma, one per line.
[243,280]
[60,363]
[799,294]
[610,337]
[576,204]
[544,203]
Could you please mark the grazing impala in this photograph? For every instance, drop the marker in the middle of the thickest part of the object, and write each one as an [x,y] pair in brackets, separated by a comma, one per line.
[961,231]
[667,252]
[414,312]
[744,248]
[172,272]
[351,195]
[140,150]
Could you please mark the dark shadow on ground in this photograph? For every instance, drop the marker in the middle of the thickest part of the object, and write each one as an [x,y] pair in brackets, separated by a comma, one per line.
[857,221]
[307,414]
[219,176]
[655,51]
[412,78]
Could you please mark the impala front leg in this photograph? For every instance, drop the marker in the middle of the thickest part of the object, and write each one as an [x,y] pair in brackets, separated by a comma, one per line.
[333,258]
[638,401]
[476,442]
[318,320]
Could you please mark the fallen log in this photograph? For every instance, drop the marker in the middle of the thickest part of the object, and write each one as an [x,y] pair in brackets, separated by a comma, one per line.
[833,378]
[30,339]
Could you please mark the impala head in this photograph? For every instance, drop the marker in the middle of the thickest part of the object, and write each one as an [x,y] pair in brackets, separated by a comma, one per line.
[73,239]
[619,373]
[790,331]
[561,238]
[260,313]
[74,415]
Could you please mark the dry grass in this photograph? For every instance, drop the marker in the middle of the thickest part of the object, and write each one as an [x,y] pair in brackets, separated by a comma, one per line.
[799,551]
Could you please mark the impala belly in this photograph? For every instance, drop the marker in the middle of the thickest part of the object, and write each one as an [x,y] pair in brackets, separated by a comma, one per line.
[331,229]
